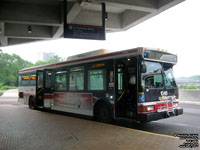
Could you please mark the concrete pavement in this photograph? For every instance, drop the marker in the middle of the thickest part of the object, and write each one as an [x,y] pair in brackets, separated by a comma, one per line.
[22,129]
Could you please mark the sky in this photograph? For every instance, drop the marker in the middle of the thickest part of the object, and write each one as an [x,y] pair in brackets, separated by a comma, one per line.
[176,30]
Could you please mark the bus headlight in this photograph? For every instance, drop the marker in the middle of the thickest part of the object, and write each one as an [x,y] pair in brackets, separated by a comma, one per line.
[176,104]
[150,108]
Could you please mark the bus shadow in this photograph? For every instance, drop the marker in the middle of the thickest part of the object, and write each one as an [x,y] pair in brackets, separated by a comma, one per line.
[152,127]
[121,123]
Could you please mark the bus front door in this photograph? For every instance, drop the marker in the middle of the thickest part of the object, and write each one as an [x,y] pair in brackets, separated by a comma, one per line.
[120,89]
[125,87]
[39,101]
[48,88]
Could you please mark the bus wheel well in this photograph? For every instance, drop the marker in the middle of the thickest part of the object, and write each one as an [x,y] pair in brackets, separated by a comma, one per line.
[30,98]
[106,107]
[31,102]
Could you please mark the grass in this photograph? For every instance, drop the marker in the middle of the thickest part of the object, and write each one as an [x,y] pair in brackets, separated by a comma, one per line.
[190,86]
[1,93]
[7,87]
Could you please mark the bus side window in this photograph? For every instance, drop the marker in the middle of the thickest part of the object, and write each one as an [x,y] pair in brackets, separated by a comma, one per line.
[96,79]
[48,82]
[120,79]
[40,80]
[60,81]
[76,79]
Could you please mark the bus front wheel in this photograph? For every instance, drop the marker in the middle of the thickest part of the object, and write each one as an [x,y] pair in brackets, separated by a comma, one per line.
[32,103]
[103,113]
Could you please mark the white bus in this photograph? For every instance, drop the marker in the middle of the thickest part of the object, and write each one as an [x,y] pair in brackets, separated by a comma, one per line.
[135,84]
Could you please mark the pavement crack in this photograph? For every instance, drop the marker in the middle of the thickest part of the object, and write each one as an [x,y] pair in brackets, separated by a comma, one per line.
[72,133]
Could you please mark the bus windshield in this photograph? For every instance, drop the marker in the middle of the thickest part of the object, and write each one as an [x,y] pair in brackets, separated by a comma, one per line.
[158,76]
[169,77]
[152,78]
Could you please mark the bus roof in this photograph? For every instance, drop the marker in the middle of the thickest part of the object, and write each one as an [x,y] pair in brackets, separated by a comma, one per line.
[96,55]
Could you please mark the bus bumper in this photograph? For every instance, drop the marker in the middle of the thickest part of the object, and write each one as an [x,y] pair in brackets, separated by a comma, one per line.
[159,115]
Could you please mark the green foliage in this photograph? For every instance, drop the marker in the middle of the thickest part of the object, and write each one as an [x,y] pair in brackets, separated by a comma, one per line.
[38,63]
[1,84]
[6,87]
[1,93]
[11,64]
[190,86]
[54,59]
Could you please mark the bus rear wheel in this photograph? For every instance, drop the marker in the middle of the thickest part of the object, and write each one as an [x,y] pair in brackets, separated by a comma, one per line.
[32,103]
[103,113]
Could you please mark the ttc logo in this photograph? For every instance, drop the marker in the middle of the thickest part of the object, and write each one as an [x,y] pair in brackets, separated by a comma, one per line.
[164,93]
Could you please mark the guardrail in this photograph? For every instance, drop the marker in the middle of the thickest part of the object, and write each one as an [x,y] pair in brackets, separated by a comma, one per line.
[184,95]
[189,95]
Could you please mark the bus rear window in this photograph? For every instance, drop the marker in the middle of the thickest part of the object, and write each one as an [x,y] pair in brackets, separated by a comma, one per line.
[33,80]
[24,80]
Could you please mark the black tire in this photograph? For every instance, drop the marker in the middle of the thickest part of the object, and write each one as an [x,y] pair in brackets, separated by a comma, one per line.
[103,113]
[32,103]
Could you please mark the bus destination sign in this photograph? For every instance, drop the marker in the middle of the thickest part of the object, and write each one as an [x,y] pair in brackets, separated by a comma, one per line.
[84,32]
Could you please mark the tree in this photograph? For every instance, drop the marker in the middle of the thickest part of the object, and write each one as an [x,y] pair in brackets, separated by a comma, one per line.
[53,59]
[9,66]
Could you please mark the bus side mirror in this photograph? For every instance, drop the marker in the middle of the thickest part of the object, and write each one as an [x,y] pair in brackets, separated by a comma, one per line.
[143,68]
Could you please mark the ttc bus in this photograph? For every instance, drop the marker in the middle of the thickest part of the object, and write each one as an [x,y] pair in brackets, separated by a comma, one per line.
[135,84]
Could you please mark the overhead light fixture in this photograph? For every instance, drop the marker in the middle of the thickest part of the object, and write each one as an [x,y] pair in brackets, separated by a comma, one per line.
[29,29]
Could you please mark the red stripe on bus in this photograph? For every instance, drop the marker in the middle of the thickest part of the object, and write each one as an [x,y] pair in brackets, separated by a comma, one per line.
[83,59]
[142,108]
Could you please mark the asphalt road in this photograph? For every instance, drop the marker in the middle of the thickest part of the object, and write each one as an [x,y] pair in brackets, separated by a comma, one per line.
[189,122]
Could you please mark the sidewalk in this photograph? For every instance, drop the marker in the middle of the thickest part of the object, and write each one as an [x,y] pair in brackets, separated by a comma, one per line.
[190,102]
[10,93]
[23,129]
